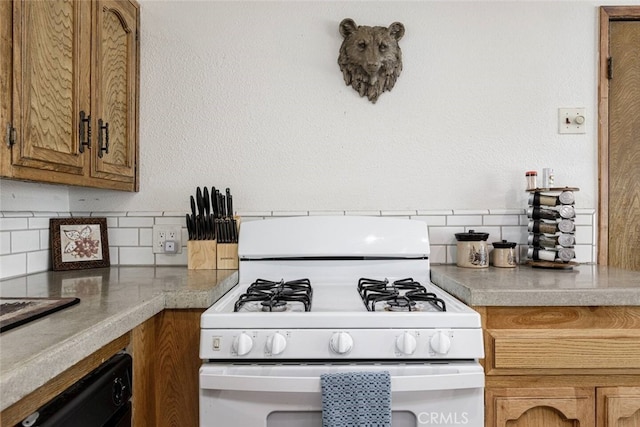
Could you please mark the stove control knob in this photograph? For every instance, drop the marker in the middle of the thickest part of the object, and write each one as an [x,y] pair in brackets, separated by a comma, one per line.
[276,344]
[341,343]
[242,344]
[406,343]
[440,342]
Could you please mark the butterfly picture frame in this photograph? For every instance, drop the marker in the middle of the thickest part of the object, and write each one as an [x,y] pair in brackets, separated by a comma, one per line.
[79,243]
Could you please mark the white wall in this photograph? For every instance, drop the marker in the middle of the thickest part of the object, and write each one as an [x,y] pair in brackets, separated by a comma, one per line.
[249,95]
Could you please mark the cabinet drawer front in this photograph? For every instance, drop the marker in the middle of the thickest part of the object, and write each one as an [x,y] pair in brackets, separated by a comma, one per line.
[565,349]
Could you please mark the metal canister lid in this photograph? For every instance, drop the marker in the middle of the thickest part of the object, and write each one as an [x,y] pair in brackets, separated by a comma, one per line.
[567,211]
[567,197]
[566,239]
[566,254]
[566,226]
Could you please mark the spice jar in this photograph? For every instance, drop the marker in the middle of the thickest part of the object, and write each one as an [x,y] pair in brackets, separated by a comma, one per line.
[504,254]
[532,177]
[472,250]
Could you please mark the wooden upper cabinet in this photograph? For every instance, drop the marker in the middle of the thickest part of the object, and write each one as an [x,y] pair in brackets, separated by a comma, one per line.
[115,83]
[73,76]
[49,90]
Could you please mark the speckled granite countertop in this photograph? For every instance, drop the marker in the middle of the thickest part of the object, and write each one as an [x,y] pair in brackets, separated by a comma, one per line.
[112,301]
[584,285]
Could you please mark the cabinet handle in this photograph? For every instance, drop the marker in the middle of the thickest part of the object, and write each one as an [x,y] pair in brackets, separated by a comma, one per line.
[104,128]
[84,119]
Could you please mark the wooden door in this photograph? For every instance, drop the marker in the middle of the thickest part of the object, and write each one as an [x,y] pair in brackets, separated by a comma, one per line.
[619,134]
[51,67]
[543,407]
[115,86]
[618,406]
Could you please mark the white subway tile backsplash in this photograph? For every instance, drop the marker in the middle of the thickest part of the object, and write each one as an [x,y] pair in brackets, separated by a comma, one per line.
[25,241]
[45,241]
[47,214]
[500,220]
[290,213]
[506,211]
[113,255]
[171,220]
[431,220]
[17,214]
[406,213]
[584,235]
[136,256]
[177,259]
[146,237]
[444,235]
[38,223]
[136,221]
[326,213]
[435,212]
[516,234]
[363,213]
[8,224]
[143,213]
[123,236]
[465,220]
[24,236]
[468,212]
[5,242]
[438,254]
[38,261]
[13,265]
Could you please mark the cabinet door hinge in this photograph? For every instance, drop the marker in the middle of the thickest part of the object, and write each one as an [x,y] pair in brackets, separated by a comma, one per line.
[11,135]
[610,68]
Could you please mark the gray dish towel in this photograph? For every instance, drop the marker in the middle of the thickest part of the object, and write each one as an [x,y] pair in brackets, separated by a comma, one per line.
[356,399]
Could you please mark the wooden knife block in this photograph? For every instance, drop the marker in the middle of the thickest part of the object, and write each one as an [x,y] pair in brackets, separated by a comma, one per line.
[227,256]
[201,255]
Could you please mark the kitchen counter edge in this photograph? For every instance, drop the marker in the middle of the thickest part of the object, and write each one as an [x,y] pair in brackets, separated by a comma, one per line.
[198,289]
[585,285]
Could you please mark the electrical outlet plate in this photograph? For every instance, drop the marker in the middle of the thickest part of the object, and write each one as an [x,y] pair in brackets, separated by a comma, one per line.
[572,120]
[164,232]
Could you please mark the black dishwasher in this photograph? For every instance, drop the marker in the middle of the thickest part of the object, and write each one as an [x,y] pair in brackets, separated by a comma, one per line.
[101,399]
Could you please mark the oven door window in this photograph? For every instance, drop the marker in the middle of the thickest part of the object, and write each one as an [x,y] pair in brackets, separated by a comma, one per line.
[290,395]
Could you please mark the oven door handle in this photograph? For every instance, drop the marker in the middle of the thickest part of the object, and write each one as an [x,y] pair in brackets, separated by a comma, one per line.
[455,381]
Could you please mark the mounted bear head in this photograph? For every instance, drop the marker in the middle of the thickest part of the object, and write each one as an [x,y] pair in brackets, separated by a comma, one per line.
[370,58]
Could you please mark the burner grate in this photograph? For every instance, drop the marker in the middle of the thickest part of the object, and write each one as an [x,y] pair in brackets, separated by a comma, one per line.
[275,296]
[400,295]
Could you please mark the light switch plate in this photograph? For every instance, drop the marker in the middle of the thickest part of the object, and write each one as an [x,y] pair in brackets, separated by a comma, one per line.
[572,120]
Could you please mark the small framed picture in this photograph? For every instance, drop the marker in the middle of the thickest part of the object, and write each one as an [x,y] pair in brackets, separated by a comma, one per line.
[78,243]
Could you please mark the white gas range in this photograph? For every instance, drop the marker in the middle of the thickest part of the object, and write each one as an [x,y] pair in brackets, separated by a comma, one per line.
[322,295]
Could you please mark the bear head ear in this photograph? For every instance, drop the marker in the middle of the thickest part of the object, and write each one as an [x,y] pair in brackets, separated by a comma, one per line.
[347,27]
[396,30]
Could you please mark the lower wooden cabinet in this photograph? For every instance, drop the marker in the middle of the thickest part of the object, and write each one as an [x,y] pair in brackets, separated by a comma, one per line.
[537,407]
[166,366]
[562,366]
[618,406]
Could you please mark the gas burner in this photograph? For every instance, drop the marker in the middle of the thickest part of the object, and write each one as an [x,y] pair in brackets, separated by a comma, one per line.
[274,305]
[276,296]
[401,303]
[401,295]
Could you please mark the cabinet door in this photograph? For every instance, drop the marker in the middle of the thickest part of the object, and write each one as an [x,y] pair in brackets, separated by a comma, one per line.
[51,66]
[536,407]
[115,86]
[618,406]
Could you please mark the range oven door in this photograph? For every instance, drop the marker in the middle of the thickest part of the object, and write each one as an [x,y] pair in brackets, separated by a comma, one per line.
[283,395]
